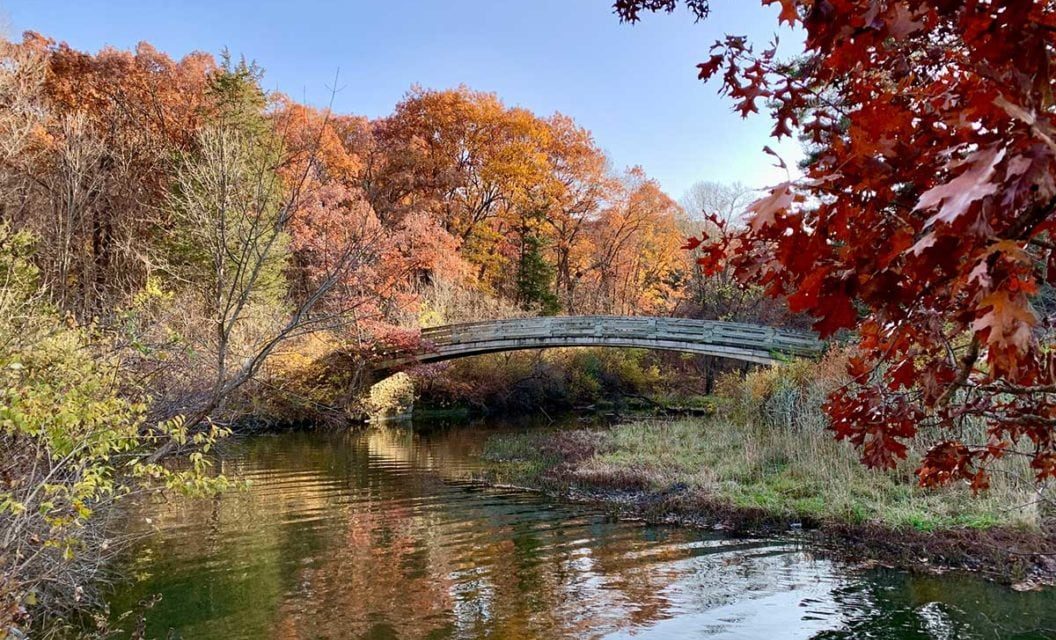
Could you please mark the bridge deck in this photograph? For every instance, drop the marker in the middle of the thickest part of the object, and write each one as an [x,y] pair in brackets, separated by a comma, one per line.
[752,343]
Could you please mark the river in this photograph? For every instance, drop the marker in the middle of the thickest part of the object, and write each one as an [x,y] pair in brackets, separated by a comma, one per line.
[377,534]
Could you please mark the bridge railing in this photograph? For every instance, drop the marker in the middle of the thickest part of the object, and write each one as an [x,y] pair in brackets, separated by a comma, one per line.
[661,330]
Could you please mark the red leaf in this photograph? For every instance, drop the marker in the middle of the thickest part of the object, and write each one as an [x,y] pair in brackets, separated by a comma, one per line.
[788,11]
[956,196]
[765,209]
[903,375]
[839,314]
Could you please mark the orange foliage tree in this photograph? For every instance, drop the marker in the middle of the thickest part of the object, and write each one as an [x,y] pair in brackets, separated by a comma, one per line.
[636,258]
[526,198]
[109,125]
[119,162]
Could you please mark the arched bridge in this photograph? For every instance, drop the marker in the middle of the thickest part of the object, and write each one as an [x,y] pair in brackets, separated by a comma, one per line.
[746,342]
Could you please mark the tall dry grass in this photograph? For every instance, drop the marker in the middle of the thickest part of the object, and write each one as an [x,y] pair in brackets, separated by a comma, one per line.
[769,447]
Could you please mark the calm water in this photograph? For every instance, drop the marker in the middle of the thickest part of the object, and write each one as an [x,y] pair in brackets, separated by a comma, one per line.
[375,535]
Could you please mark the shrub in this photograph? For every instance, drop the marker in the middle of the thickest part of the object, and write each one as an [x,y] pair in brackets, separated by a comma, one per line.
[788,396]
[392,396]
[779,450]
[72,447]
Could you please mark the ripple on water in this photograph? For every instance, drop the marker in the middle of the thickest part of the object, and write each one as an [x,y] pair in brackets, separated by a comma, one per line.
[374,535]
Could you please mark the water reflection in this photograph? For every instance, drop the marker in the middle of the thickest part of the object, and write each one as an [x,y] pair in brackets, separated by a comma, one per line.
[374,535]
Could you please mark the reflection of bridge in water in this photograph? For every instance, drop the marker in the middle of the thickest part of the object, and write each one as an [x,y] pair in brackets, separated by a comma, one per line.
[745,342]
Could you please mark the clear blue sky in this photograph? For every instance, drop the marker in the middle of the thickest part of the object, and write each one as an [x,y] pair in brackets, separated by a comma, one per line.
[634,86]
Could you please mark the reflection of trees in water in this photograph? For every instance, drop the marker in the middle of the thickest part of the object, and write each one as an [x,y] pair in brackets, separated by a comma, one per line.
[378,573]
[350,536]
[361,535]
[468,564]
[448,454]
[420,557]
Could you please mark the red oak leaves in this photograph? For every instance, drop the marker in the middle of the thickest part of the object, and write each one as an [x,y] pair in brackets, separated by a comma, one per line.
[955,197]
[1007,322]
[924,219]
[765,210]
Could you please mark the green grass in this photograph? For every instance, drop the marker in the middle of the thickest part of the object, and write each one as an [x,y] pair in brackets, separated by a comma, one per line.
[525,459]
[796,475]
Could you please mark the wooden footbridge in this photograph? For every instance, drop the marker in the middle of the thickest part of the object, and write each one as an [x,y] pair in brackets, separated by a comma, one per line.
[745,342]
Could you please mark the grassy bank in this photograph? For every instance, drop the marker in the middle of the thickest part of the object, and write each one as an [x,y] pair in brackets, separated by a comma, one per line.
[711,472]
[766,462]
[793,478]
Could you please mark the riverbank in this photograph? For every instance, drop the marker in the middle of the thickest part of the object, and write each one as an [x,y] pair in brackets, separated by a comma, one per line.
[717,473]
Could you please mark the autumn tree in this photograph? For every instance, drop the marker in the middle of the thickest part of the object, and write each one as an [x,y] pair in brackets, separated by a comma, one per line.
[513,189]
[584,186]
[394,252]
[107,129]
[637,261]
[923,221]
[707,197]
[717,293]
[23,114]
[456,152]
[267,199]
[75,439]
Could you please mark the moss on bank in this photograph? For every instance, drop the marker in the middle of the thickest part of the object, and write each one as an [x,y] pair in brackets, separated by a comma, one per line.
[719,472]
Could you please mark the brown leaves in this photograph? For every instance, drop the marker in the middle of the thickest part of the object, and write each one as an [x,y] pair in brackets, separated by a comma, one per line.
[903,21]
[1008,321]
[1040,127]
